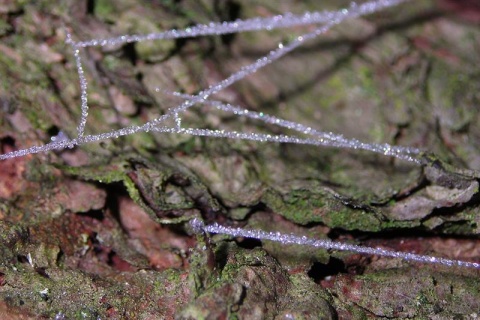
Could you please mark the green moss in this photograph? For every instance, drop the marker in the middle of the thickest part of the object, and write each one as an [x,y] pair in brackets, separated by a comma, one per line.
[104,10]
[352,220]
[305,206]
[367,81]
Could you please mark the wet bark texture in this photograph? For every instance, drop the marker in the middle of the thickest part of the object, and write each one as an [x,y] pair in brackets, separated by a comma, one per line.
[100,231]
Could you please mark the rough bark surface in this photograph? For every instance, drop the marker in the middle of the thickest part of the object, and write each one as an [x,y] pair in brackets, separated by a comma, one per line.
[100,231]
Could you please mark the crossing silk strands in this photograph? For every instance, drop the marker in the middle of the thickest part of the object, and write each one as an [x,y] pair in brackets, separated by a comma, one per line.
[307,135]
[326,19]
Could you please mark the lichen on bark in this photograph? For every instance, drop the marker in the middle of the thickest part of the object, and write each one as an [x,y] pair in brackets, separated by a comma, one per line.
[99,230]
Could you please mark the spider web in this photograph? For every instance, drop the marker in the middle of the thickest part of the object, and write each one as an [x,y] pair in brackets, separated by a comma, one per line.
[307,135]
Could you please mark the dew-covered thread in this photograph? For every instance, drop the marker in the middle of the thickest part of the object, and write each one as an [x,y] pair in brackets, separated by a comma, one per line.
[157,124]
[286,20]
[324,138]
[286,239]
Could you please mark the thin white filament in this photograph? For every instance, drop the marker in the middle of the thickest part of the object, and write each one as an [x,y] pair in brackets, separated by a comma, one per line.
[83,86]
[286,20]
[326,138]
[327,244]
